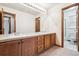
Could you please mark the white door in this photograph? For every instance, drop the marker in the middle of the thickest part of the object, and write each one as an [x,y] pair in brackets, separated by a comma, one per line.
[6,25]
[70,27]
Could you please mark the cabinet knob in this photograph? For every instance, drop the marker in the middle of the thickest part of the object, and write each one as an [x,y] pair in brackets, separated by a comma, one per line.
[22,42]
[18,42]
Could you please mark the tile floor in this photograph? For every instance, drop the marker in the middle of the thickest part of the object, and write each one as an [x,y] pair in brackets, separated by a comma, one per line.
[58,51]
[70,45]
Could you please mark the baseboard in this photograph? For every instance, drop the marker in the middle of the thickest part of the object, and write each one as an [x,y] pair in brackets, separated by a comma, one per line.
[58,45]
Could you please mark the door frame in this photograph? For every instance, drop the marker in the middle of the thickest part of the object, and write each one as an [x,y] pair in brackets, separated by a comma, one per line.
[62,23]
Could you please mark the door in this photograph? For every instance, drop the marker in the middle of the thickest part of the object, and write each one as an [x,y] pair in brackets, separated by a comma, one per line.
[11,48]
[53,39]
[37,24]
[29,46]
[47,41]
[70,27]
[78,27]
[7,25]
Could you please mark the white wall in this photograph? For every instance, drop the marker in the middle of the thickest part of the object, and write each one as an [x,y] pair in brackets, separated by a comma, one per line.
[54,17]
[24,21]
[52,21]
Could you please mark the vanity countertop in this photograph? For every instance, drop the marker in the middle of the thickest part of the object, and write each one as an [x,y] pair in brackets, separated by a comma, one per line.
[21,35]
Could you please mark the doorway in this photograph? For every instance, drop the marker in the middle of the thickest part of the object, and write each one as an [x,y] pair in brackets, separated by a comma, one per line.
[37,24]
[70,28]
[7,25]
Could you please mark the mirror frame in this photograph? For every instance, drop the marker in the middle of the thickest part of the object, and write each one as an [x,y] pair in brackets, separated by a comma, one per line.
[14,15]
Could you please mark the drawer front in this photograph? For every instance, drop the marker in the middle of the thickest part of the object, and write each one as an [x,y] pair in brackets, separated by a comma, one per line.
[40,40]
[40,43]
[40,48]
[47,46]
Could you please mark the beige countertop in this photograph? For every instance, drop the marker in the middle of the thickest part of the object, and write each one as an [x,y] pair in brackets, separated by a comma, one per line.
[20,35]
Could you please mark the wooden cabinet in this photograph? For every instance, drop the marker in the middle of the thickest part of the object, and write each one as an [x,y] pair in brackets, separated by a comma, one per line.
[40,44]
[53,37]
[29,46]
[11,48]
[47,41]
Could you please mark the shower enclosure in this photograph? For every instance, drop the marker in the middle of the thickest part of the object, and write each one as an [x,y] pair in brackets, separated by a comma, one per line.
[70,26]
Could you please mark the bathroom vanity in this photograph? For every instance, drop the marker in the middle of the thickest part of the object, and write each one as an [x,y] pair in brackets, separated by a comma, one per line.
[26,44]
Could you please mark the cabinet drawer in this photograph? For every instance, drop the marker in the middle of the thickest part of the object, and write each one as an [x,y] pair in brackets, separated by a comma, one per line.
[40,48]
[40,40]
[47,46]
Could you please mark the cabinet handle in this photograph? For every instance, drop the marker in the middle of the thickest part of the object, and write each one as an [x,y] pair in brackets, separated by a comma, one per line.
[22,42]
[18,42]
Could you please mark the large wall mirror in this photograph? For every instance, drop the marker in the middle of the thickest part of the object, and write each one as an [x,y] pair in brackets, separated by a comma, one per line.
[7,23]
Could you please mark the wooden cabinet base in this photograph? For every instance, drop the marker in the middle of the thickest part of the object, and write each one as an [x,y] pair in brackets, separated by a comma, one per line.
[27,46]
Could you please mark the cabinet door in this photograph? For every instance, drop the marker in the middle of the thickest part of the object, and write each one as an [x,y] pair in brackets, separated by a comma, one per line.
[47,41]
[28,46]
[40,44]
[53,38]
[9,48]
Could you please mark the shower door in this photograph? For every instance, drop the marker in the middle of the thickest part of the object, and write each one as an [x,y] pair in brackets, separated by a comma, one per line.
[70,28]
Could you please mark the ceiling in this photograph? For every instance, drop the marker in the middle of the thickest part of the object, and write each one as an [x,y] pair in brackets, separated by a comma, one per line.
[46,5]
[20,7]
